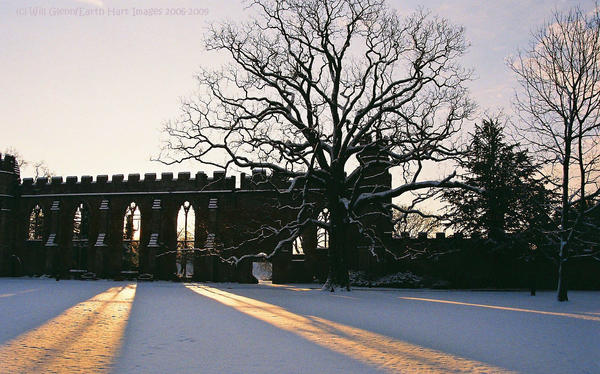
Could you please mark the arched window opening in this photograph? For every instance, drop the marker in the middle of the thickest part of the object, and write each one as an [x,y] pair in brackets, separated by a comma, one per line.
[186,224]
[297,246]
[81,225]
[186,221]
[131,237]
[36,223]
[323,233]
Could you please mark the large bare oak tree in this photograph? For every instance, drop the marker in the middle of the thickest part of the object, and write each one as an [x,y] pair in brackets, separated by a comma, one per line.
[311,88]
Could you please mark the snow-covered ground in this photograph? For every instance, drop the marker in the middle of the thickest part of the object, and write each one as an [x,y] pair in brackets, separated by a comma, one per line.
[161,327]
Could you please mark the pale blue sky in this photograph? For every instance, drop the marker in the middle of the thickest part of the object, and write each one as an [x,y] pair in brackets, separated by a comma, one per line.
[88,94]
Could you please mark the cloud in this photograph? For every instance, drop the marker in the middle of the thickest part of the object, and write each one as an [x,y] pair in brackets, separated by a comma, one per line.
[98,3]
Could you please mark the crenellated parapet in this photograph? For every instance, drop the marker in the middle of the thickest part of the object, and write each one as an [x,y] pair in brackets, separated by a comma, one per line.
[152,183]
[117,183]
[260,180]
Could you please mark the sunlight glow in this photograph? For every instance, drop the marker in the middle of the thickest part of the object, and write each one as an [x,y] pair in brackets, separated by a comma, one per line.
[571,315]
[284,286]
[20,292]
[389,354]
[83,339]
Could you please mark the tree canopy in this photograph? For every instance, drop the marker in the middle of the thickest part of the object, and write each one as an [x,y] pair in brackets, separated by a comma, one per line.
[329,94]
[559,105]
[514,198]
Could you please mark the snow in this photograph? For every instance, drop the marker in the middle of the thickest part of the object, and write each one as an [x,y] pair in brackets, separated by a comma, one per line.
[265,328]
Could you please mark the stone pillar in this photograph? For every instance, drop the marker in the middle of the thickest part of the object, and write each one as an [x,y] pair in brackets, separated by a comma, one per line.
[54,261]
[213,206]
[102,239]
[282,265]
[154,241]
[113,254]
[9,182]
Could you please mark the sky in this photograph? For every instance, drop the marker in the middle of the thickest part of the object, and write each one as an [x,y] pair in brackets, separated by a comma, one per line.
[86,85]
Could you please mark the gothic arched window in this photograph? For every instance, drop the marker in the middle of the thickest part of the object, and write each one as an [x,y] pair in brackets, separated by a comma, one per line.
[186,223]
[132,225]
[297,246]
[81,227]
[323,233]
[36,223]
[81,223]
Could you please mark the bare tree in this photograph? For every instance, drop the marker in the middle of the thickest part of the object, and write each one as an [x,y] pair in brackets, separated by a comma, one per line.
[20,160]
[559,102]
[415,221]
[324,93]
[38,168]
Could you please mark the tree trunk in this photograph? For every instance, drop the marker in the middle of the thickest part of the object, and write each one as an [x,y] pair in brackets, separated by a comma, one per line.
[562,281]
[337,254]
[564,221]
[337,277]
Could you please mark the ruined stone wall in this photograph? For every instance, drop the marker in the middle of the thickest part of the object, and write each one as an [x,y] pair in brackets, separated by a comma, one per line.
[227,216]
[224,216]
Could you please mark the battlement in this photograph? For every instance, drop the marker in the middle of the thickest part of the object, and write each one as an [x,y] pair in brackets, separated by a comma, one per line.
[150,182]
[8,163]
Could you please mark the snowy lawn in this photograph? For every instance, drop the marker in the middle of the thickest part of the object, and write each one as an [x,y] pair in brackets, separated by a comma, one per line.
[161,327]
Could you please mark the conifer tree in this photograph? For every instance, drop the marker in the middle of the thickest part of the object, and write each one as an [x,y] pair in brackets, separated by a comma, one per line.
[513,201]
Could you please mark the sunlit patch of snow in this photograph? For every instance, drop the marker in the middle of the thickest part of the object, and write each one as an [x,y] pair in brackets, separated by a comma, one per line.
[84,339]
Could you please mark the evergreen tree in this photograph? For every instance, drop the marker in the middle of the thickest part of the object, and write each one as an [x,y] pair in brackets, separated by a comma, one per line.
[514,201]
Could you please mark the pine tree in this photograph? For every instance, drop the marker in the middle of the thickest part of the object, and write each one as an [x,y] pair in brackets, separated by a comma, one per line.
[514,201]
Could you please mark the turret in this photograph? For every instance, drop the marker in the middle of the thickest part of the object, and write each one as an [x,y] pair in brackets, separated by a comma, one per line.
[376,178]
[376,163]
[9,182]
